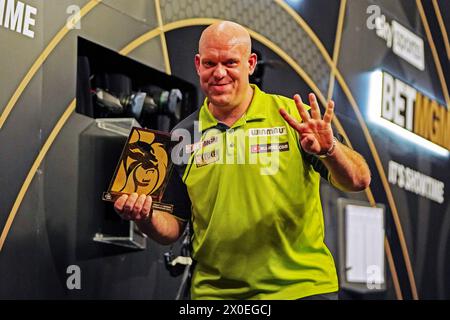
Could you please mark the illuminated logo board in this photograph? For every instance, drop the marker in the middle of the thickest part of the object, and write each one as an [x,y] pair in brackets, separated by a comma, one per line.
[402,108]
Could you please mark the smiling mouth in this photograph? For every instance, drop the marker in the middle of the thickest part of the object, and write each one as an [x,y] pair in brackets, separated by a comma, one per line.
[220,88]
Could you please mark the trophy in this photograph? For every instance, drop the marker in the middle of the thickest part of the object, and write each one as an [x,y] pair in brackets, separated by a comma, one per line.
[144,167]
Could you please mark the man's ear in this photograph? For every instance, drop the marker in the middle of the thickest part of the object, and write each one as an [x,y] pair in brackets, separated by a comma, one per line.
[252,61]
[197,63]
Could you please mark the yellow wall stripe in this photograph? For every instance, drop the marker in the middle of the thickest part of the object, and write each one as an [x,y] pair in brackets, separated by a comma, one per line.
[398,292]
[386,187]
[434,52]
[47,145]
[163,38]
[41,59]
[367,136]
[337,47]
[442,27]
[189,23]
[139,41]
[368,191]
[34,168]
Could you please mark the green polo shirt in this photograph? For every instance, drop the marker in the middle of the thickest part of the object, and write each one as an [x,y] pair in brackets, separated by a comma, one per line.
[258,229]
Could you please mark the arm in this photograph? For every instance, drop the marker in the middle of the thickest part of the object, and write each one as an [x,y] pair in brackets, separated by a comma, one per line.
[162,227]
[348,170]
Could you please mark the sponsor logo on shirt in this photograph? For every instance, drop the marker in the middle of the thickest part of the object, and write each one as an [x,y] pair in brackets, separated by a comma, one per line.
[206,158]
[267,132]
[201,144]
[266,148]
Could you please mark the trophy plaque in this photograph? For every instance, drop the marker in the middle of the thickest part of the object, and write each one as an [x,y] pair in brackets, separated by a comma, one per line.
[143,168]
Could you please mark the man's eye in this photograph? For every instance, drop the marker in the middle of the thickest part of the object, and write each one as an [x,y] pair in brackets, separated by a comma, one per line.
[208,64]
[231,63]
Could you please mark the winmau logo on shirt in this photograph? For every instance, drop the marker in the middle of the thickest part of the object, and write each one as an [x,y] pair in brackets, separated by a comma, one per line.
[266,132]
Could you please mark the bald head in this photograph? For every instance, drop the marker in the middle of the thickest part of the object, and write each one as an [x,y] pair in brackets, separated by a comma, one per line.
[225,33]
[224,64]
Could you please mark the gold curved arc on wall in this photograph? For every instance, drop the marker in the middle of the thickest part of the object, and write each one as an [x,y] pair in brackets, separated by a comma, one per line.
[391,264]
[367,136]
[434,52]
[126,50]
[442,27]
[163,38]
[337,46]
[51,138]
[189,23]
[41,59]
[165,28]
[386,187]
[336,51]
[36,164]
[139,41]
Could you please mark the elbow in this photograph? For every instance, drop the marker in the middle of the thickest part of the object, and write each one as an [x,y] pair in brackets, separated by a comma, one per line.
[353,184]
[164,240]
[362,182]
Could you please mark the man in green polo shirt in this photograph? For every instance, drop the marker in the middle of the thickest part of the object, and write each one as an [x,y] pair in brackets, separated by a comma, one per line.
[247,177]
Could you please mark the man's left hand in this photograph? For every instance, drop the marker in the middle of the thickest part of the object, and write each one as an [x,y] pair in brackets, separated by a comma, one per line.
[316,134]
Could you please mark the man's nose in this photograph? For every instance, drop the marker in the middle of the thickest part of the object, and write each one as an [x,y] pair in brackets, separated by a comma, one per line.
[220,71]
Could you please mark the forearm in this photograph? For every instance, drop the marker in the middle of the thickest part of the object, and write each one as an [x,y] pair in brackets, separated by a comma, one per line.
[348,169]
[162,227]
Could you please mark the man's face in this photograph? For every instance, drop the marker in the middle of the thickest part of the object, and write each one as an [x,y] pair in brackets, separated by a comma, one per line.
[224,71]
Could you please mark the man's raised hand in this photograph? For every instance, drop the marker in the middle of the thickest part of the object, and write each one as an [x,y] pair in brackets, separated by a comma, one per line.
[316,134]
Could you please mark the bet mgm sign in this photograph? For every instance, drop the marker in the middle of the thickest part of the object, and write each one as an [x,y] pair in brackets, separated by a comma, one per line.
[403,108]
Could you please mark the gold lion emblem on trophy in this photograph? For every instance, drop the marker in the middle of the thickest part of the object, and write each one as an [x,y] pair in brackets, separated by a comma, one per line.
[143,166]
